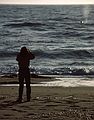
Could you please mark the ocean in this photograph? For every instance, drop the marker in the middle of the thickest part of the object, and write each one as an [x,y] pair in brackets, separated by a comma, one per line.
[60,36]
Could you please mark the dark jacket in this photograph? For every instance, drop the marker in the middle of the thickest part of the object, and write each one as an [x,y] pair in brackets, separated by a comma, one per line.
[24,58]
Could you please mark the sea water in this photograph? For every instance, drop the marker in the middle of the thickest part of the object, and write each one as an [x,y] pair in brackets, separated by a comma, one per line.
[62,44]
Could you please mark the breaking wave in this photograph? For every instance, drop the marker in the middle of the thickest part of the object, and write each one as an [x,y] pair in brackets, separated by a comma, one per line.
[65,71]
[50,71]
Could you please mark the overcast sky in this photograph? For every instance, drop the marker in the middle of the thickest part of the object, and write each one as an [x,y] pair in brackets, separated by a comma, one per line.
[46,1]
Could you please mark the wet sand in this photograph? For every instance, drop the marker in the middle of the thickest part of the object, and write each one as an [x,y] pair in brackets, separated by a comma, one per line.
[47,103]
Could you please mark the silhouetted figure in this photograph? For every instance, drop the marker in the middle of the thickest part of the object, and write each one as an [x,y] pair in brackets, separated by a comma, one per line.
[23,59]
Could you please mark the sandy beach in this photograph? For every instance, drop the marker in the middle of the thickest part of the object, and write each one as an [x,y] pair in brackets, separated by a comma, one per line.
[61,37]
[47,103]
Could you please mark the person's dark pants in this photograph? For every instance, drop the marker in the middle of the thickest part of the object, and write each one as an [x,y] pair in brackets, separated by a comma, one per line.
[24,74]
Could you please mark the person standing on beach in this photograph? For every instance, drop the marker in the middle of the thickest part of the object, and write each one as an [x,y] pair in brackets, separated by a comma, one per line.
[23,59]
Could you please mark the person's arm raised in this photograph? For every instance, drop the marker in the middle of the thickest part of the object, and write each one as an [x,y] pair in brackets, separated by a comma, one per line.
[32,56]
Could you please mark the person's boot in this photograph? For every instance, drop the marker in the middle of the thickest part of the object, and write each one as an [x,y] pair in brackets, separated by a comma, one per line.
[19,100]
[28,99]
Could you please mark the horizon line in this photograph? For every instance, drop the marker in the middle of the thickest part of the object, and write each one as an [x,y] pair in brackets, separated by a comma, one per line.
[46,4]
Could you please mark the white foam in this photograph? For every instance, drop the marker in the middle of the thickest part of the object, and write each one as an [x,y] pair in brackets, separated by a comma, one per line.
[71,82]
[64,82]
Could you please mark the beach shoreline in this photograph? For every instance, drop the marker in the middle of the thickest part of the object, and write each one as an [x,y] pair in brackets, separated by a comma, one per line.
[47,103]
[50,80]
[13,79]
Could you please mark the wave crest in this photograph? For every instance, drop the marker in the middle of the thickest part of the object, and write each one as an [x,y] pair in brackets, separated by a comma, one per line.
[24,24]
[65,53]
[63,71]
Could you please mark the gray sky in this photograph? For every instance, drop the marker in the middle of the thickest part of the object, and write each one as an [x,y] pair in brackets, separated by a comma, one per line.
[46,1]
